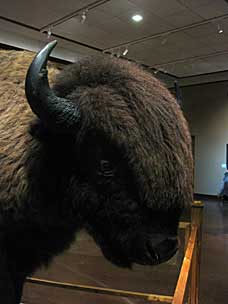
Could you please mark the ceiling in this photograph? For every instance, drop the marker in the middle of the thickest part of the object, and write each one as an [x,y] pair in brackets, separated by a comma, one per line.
[177,37]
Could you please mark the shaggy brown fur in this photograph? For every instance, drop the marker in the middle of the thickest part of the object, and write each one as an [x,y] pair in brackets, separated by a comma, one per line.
[52,184]
[139,115]
[16,116]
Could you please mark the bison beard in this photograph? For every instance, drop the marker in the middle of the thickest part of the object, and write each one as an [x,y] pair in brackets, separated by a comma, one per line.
[109,151]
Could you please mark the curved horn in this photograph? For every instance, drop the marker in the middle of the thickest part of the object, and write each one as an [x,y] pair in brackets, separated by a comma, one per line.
[51,109]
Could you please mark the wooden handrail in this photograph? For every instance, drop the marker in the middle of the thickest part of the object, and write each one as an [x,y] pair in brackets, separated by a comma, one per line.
[101,290]
[185,269]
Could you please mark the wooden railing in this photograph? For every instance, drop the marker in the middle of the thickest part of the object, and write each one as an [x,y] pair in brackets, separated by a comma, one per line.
[189,273]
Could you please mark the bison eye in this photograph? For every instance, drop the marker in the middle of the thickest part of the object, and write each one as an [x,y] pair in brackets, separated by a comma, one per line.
[106,168]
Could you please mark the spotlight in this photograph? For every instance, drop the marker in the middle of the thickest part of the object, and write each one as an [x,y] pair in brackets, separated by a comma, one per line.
[49,32]
[220,30]
[137,18]
[125,51]
[83,17]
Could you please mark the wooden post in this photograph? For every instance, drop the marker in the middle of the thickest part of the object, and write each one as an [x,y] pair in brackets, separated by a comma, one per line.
[180,290]
[196,220]
[187,235]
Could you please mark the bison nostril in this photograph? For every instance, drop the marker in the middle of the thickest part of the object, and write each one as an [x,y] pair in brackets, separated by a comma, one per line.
[153,254]
[156,256]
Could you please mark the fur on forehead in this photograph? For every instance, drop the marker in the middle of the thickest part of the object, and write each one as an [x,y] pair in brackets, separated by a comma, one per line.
[137,113]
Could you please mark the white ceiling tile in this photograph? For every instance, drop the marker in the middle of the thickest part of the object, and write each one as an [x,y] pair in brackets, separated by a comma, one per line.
[215,9]
[186,69]
[117,7]
[151,24]
[220,61]
[202,66]
[110,24]
[158,7]
[179,40]
[203,30]
[197,3]
[208,35]
[97,15]
[16,35]
[183,18]
[152,53]
[216,42]
[34,13]
[104,30]
[87,33]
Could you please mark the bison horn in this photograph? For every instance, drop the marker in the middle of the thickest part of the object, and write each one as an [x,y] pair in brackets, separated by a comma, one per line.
[58,113]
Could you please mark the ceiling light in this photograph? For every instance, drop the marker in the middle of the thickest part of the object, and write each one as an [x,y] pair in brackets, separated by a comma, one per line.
[137,18]
[83,16]
[49,34]
[125,51]
[220,30]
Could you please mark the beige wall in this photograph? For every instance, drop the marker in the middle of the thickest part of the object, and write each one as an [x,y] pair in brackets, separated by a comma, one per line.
[206,109]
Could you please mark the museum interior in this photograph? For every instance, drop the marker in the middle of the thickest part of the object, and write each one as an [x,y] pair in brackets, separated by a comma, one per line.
[113,178]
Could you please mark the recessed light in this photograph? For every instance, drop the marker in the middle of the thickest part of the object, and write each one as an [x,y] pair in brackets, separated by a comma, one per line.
[137,18]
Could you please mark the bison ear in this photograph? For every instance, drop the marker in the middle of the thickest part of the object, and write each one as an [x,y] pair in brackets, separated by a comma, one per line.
[57,113]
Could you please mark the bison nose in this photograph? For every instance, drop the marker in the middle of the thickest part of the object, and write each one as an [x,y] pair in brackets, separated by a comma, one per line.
[166,249]
[163,250]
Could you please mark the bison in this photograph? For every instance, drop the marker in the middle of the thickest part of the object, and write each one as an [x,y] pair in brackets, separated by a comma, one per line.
[106,149]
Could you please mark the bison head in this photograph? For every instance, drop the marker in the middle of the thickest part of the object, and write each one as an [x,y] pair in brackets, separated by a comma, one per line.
[130,153]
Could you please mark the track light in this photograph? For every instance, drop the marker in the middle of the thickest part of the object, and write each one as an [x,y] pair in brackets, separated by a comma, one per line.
[125,51]
[83,17]
[49,32]
[220,30]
